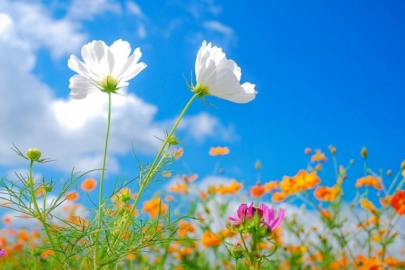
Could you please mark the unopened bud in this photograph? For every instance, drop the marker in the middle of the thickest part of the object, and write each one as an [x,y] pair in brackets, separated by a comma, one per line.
[33,154]
[237,251]
[172,140]
[364,152]
[258,165]
[48,188]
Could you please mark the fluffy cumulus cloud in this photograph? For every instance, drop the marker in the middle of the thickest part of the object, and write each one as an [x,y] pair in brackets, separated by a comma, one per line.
[70,131]
[33,27]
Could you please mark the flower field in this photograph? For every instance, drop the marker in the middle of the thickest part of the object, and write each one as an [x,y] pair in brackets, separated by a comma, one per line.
[297,222]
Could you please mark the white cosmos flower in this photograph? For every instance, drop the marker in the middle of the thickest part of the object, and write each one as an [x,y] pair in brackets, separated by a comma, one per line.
[104,68]
[220,77]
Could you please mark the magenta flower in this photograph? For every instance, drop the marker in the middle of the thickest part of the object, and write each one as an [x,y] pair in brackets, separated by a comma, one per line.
[2,252]
[268,215]
[265,215]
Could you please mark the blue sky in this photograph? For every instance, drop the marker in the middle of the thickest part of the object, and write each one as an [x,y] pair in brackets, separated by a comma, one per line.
[327,73]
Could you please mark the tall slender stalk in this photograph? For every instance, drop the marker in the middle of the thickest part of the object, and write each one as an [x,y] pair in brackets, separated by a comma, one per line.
[158,160]
[103,169]
[100,192]
[38,214]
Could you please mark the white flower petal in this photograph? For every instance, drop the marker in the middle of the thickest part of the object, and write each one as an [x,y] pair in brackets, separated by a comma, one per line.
[245,95]
[121,50]
[81,86]
[221,76]
[132,67]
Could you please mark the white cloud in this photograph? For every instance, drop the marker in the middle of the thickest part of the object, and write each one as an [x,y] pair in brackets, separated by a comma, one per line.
[204,125]
[87,9]
[199,9]
[135,9]
[142,31]
[219,27]
[33,22]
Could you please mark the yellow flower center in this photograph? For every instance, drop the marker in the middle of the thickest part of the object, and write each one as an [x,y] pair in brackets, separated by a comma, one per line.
[109,84]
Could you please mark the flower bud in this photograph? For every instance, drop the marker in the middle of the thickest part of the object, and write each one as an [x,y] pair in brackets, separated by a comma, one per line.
[258,165]
[332,149]
[364,152]
[237,251]
[33,154]
[264,230]
[172,140]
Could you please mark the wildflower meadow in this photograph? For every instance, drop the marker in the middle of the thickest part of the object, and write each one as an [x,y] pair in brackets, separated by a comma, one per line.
[297,222]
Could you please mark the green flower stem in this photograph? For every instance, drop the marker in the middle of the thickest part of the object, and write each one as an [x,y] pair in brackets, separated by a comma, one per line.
[38,213]
[100,192]
[158,159]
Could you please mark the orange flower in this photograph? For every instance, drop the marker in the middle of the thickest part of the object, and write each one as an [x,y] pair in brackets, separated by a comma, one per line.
[178,153]
[270,186]
[218,151]
[23,235]
[203,195]
[227,233]
[300,182]
[257,191]
[209,240]
[89,184]
[326,193]
[368,205]
[342,263]
[184,228]
[307,151]
[318,157]
[72,196]
[40,191]
[232,188]
[46,254]
[278,197]
[7,220]
[386,201]
[364,263]
[190,179]
[398,202]
[369,180]
[154,207]
[179,188]
[326,214]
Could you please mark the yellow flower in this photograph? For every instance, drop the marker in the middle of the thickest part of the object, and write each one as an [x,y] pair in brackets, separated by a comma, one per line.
[368,205]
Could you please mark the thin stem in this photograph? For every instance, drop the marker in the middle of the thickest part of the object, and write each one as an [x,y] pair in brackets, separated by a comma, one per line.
[154,165]
[38,213]
[100,193]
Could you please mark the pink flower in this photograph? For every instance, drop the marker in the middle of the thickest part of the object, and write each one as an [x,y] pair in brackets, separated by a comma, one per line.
[2,252]
[265,215]
[268,215]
